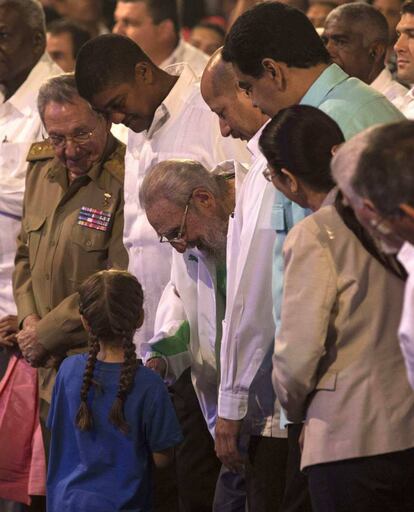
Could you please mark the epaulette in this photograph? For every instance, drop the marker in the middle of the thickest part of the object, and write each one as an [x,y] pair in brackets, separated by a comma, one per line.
[116,166]
[40,151]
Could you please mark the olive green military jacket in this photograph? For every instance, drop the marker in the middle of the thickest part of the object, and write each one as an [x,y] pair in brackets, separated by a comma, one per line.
[60,245]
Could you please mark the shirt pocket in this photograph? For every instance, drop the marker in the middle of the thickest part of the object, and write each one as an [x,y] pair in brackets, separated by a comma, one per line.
[277,218]
[89,252]
[33,226]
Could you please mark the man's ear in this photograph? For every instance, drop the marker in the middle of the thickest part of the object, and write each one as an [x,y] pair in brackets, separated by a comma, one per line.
[369,205]
[39,42]
[290,180]
[407,209]
[143,73]
[335,148]
[377,51]
[275,71]
[203,199]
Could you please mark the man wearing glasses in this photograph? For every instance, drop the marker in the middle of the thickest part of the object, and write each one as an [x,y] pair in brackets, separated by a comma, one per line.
[189,208]
[71,227]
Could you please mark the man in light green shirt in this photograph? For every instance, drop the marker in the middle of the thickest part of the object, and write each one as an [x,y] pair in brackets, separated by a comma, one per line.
[280,61]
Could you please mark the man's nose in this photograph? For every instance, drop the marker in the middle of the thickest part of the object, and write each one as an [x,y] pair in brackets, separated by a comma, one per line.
[118,28]
[224,128]
[71,148]
[400,44]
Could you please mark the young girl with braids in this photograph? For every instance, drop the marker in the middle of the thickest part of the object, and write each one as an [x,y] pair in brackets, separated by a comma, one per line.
[109,418]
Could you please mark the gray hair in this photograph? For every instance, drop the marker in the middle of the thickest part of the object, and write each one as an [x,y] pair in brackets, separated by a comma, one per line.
[31,11]
[59,89]
[175,180]
[374,24]
[345,162]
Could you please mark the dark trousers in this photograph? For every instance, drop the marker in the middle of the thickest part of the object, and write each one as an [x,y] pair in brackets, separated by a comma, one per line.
[296,498]
[266,473]
[196,462]
[381,483]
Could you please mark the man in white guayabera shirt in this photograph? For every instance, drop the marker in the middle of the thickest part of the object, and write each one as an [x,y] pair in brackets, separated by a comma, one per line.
[24,65]
[168,119]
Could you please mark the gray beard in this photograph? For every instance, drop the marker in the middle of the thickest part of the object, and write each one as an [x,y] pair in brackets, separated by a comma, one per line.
[214,242]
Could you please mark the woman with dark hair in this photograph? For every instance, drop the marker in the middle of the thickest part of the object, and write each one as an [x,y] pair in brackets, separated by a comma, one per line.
[298,145]
[109,417]
[337,366]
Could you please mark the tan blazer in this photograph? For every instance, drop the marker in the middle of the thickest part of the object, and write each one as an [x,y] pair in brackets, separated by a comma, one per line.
[337,362]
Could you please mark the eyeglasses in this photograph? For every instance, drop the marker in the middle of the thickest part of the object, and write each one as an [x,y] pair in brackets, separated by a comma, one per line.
[174,236]
[60,141]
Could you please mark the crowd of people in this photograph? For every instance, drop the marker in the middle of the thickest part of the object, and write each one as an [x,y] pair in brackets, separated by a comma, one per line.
[206,258]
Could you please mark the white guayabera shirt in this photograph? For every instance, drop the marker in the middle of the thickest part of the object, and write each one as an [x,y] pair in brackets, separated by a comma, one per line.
[406,330]
[183,127]
[20,126]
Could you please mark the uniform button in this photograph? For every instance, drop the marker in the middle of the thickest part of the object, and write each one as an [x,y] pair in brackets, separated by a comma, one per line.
[88,243]
[48,309]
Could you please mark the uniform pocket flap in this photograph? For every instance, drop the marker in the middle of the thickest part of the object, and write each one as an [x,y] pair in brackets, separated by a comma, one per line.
[327,381]
[89,239]
[33,222]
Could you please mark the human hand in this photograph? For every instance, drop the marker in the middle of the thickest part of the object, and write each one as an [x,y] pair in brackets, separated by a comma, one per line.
[158,365]
[30,321]
[8,330]
[32,350]
[226,445]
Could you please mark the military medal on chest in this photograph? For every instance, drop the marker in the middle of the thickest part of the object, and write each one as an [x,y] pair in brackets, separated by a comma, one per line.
[94,218]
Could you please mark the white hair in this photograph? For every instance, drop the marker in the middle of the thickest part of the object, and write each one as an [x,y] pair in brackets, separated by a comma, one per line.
[345,161]
[31,12]
[175,180]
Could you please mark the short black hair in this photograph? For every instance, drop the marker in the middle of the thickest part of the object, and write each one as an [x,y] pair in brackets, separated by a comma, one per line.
[385,170]
[79,35]
[161,10]
[407,8]
[288,142]
[106,61]
[277,31]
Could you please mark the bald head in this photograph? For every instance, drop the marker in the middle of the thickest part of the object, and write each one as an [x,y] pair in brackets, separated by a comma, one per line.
[218,77]
[219,88]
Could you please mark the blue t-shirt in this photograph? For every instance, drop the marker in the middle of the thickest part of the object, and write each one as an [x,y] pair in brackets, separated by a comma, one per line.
[104,470]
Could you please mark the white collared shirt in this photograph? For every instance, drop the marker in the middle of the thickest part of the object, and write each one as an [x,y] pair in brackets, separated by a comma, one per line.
[20,126]
[390,88]
[183,127]
[406,329]
[249,327]
[185,52]
[406,104]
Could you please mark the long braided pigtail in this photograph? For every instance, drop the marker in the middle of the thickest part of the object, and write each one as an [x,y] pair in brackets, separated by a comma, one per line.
[84,419]
[112,306]
[126,383]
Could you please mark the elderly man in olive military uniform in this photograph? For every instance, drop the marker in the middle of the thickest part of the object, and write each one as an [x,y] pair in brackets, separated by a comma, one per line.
[72,224]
